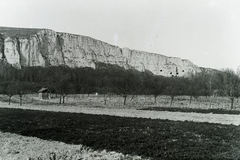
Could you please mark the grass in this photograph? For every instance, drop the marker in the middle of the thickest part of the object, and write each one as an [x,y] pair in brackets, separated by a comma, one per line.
[218,104]
[195,110]
[158,139]
[13,32]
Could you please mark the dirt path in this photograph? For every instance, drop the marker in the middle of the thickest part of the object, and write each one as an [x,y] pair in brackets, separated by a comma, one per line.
[175,116]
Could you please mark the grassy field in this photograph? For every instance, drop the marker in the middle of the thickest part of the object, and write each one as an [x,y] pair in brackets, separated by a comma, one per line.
[134,102]
[13,32]
[158,139]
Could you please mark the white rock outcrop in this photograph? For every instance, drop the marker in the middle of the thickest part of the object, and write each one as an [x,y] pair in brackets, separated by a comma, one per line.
[49,48]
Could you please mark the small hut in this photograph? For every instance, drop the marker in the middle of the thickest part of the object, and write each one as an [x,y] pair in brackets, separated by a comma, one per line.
[44,93]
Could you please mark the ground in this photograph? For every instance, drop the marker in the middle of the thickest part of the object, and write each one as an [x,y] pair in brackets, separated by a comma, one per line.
[15,146]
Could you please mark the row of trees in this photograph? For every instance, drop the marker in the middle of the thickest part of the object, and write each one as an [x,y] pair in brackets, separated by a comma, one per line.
[113,79]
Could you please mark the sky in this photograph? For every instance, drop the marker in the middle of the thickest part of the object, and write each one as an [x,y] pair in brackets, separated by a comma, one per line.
[206,32]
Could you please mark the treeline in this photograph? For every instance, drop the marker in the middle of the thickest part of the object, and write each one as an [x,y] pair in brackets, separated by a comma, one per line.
[113,79]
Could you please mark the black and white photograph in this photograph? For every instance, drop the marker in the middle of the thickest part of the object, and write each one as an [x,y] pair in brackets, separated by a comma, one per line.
[119,79]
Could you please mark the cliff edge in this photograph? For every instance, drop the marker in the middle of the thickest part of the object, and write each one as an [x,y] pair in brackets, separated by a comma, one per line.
[44,47]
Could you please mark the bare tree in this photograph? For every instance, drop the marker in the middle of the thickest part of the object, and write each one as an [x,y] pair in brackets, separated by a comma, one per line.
[9,90]
[128,84]
[229,84]
[198,85]
[21,89]
[173,88]
[154,85]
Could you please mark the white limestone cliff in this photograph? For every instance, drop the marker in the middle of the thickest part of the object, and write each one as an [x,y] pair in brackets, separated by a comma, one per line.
[49,48]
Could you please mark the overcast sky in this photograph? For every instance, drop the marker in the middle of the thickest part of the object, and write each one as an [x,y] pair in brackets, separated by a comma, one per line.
[207,32]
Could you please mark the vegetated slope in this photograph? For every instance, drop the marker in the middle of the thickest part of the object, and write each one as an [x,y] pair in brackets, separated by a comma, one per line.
[65,80]
[23,47]
[159,139]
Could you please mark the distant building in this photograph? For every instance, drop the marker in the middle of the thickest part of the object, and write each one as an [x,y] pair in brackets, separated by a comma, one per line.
[44,93]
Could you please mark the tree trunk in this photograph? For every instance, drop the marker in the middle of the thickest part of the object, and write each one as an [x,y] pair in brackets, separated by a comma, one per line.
[238,102]
[20,100]
[60,99]
[171,103]
[155,99]
[105,99]
[190,100]
[9,100]
[125,99]
[63,99]
[232,100]
[210,102]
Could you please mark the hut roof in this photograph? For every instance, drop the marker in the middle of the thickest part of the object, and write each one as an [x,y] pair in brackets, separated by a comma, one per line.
[44,90]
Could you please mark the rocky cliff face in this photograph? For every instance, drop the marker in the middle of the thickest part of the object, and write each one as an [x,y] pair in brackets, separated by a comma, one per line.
[43,47]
